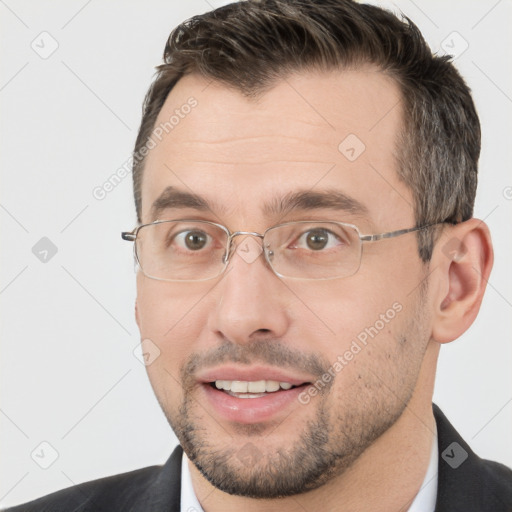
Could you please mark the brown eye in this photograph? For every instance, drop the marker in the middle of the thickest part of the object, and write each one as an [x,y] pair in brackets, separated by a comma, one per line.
[317,239]
[193,240]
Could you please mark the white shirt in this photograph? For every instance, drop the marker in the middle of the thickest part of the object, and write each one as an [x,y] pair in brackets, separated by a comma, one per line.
[189,501]
[425,500]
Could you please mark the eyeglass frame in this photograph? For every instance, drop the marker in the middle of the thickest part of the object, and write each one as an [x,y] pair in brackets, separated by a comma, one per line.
[131,236]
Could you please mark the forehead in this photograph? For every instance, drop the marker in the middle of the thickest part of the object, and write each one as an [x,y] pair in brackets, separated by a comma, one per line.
[321,131]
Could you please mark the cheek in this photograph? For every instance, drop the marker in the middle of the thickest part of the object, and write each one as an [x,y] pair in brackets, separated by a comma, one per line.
[340,311]
[162,306]
[361,327]
[170,317]
[377,361]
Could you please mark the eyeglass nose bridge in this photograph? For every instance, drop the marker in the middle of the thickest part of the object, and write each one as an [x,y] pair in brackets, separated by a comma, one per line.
[231,245]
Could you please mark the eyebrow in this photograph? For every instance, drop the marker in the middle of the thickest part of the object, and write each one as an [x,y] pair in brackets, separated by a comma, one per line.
[172,197]
[302,200]
[310,200]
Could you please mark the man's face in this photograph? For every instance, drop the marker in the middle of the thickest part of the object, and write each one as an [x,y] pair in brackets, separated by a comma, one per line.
[362,336]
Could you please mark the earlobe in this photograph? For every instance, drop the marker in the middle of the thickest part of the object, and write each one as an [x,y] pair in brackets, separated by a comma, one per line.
[137,314]
[464,258]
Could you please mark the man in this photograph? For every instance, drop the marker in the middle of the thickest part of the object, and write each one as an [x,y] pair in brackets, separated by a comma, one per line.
[304,181]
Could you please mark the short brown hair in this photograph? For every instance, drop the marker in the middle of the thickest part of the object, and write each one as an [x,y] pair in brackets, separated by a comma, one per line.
[249,45]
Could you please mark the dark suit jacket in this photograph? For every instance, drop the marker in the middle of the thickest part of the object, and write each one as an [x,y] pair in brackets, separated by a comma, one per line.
[465,484]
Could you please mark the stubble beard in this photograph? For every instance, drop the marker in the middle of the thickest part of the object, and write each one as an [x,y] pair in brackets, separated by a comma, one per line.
[327,445]
[323,450]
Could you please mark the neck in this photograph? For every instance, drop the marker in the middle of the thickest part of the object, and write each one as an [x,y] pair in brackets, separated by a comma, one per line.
[386,477]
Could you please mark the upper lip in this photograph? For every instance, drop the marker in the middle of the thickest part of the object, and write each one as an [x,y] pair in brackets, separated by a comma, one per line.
[251,374]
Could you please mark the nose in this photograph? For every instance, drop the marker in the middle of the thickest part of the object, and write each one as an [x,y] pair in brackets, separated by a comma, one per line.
[251,301]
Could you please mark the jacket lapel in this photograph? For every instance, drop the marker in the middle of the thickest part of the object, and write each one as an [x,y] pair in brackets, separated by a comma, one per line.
[164,493]
[467,483]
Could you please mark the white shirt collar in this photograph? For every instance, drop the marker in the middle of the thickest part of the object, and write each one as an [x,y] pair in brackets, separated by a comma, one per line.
[425,500]
[189,501]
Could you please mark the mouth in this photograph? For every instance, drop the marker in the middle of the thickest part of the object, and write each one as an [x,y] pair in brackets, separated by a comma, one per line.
[251,395]
[252,389]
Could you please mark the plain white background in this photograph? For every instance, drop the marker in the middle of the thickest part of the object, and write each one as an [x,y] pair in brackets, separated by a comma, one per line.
[69,375]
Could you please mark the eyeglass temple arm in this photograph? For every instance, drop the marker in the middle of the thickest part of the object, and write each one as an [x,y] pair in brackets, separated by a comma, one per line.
[130,236]
[391,234]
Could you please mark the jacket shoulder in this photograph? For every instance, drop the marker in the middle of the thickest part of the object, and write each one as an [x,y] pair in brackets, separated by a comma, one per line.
[471,484]
[116,492]
[496,479]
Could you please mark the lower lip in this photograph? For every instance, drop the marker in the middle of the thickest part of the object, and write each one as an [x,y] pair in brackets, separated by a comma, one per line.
[252,410]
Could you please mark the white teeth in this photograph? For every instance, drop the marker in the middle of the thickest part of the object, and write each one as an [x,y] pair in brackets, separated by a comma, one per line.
[246,395]
[255,387]
[272,385]
[239,386]
[223,384]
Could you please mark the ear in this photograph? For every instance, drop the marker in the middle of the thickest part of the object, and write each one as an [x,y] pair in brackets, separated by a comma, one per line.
[137,314]
[463,259]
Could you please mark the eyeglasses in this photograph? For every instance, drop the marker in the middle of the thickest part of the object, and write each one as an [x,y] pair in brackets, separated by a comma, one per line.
[197,250]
